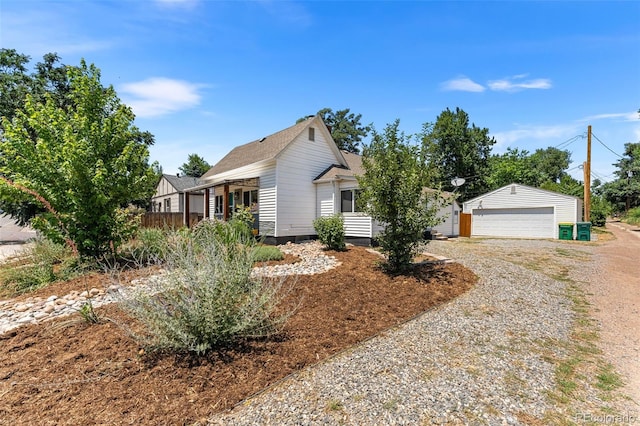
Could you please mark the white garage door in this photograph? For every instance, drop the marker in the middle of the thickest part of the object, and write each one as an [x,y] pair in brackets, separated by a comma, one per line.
[525,222]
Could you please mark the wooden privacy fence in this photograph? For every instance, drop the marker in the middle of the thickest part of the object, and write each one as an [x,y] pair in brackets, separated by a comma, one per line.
[465,224]
[168,220]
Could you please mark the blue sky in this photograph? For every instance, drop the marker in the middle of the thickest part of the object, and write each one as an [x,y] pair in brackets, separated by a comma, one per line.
[204,76]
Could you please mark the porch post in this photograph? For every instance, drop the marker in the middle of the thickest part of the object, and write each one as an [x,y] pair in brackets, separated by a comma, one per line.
[186,209]
[207,198]
[226,202]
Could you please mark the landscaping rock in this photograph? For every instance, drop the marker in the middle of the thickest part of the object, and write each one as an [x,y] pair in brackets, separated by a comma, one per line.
[13,315]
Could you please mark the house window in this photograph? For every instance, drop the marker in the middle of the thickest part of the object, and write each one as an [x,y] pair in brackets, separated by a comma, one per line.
[250,199]
[167,204]
[312,134]
[348,201]
[219,204]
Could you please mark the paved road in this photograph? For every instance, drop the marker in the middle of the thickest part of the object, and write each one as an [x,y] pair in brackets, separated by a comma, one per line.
[615,298]
[12,237]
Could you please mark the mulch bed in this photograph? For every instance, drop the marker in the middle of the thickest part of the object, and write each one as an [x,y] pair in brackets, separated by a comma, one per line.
[69,372]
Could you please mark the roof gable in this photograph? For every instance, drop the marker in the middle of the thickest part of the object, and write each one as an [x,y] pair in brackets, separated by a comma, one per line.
[353,168]
[522,186]
[266,148]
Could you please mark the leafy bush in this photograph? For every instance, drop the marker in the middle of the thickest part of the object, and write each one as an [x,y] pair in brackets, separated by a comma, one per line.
[43,263]
[330,230]
[266,253]
[208,298]
[149,246]
[633,216]
[600,209]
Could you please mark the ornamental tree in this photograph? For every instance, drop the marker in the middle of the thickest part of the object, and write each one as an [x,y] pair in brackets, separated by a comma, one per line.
[393,193]
[86,160]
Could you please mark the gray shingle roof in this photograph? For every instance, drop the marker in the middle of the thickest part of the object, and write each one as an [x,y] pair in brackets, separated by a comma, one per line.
[180,183]
[354,162]
[259,150]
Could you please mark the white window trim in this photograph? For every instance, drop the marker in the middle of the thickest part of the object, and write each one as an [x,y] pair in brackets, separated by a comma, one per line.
[353,203]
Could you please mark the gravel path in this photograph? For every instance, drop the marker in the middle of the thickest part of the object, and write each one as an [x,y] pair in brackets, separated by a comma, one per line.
[483,358]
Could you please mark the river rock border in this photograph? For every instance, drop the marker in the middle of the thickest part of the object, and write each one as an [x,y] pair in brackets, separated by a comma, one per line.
[35,310]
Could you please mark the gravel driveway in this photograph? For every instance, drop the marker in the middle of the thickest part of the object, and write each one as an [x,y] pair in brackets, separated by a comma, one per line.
[489,357]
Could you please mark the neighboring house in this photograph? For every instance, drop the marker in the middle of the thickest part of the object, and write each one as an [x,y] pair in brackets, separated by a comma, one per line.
[169,196]
[288,179]
[521,211]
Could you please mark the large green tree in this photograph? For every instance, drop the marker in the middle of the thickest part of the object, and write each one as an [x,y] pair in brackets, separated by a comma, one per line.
[544,167]
[551,163]
[84,161]
[346,128]
[393,193]
[514,166]
[16,82]
[195,166]
[624,192]
[457,149]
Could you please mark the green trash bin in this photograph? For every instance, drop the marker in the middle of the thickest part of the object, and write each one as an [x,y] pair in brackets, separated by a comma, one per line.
[565,231]
[583,230]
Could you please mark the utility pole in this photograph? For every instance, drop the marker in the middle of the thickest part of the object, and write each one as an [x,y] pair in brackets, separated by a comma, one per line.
[587,179]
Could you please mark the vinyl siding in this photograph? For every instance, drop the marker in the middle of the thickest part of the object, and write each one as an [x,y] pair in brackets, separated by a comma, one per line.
[175,202]
[451,225]
[164,188]
[301,162]
[325,205]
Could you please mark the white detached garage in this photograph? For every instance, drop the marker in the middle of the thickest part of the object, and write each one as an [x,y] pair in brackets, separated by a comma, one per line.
[521,211]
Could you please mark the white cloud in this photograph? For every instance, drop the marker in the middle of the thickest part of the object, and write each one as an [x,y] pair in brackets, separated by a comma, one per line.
[36,32]
[158,96]
[462,84]
[516,84]
[623,116]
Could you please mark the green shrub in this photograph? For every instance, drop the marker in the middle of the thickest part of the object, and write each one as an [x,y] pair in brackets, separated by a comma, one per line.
[330,230]
[150,245]
[633,216]
[267,253]
[207,298]
[600,210]
[30,277]
[42,263]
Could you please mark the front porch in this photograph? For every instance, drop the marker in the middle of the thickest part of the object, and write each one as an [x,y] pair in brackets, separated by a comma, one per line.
[222,199]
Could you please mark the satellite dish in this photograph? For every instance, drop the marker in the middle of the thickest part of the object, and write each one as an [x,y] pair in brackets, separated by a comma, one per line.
[457,182]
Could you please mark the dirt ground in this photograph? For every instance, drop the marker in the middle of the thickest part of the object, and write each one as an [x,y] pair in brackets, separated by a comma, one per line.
[69,372]
[615,298]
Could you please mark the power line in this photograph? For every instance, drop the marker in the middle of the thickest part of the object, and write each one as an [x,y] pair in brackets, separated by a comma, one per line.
[570,141]
[599,176]
[603,144]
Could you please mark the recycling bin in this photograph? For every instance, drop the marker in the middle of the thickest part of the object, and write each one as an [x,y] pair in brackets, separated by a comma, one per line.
[565,231]
[583,231]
